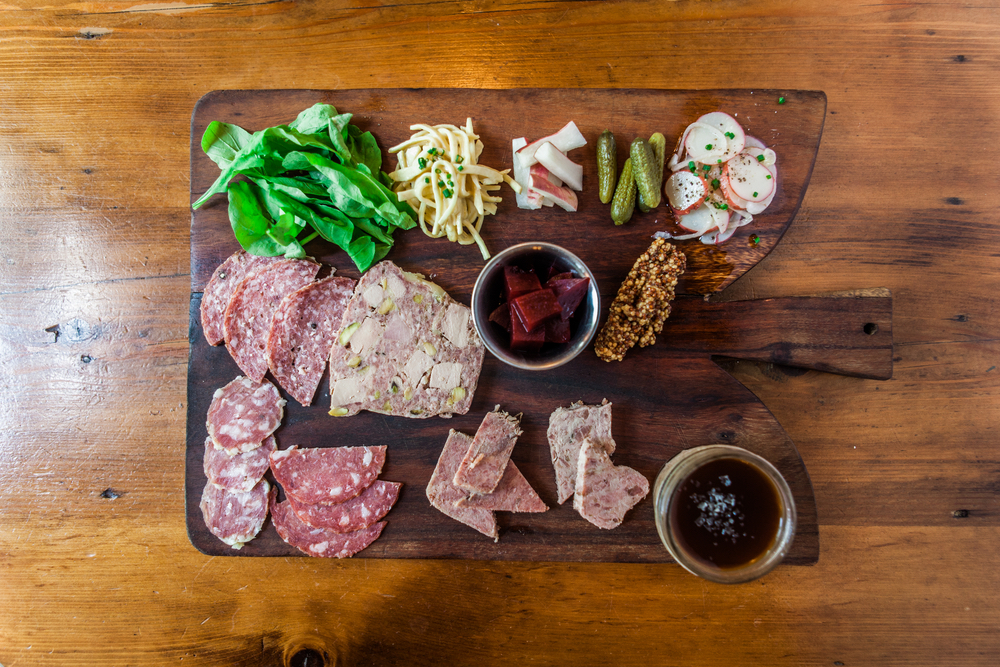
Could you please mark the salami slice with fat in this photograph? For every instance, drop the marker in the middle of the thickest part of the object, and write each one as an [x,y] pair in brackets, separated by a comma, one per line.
[326,475]
[235,518]
[320,542]
[445,496]
[359,512]
[243,413]
[302,331]
[605,492]
[513,494]
[485,461]
[251,307]
[567,429]
[220,288]
[238,473]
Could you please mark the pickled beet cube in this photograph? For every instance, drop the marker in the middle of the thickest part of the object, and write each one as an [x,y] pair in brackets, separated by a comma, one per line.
[569,294]
[557,330]
[521,338]
[502,316]
[517,282]
[559,276]
[533,308]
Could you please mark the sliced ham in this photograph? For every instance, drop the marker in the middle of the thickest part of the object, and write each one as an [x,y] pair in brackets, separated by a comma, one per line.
[513,494]
[568,427]
[320,542]
[605,492]
[302,331]
[238,473]
[359,512]
[327,475]
[253,304]
[243,414]
[444,495]
[484,463]
[235,518]
[220,288]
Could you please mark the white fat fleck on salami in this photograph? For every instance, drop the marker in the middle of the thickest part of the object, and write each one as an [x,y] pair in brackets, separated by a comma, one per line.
[235,518]
[327,475]
[392,378]
[568,427]
[320,542]
[302,330]
[243,413]
[444,495]
[220,288]
[238,473]
[359,512]
[252,306]
[604,492]
[513,494]
[484,463]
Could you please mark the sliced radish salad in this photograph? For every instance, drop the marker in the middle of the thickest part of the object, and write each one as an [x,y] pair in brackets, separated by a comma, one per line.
[546,175]
[720,178]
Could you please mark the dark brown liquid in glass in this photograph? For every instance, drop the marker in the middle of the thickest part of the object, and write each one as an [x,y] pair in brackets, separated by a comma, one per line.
[726,512]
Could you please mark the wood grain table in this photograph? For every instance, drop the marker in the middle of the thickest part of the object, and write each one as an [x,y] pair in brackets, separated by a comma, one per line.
[96,568]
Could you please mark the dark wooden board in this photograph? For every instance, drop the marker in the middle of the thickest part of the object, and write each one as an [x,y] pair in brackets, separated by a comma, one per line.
[667,398]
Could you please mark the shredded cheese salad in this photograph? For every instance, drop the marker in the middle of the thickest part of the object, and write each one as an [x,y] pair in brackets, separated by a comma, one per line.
[439,175]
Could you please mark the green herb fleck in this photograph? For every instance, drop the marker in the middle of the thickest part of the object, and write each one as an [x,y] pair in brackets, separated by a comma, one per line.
[715,183]
[755,194]
[460,167]
[754,239]
[708,147]
[768,177]
[781,100]
[422,163]
[760,158]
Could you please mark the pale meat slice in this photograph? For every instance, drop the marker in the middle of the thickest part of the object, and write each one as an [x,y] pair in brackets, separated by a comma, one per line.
[235,518]
[513,494]
[605,492]
[320,542]
[238,473]
[327,475]
[225,278]
[444,495]
[302,331]
[567,429]
[243,413]
[484,463]
[405,348]
[251,307]
[359,512]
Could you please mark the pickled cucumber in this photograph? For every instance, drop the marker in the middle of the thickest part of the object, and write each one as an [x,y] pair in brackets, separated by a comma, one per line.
[659,145]
[623,203]
[607,165]
[646,173]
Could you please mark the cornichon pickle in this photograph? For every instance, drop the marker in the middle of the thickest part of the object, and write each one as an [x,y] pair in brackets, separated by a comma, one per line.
[645,172]
[623,202]
[659,145]
[607,165]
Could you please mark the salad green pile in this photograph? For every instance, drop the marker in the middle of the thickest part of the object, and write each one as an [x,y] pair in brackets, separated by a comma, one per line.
[318,173]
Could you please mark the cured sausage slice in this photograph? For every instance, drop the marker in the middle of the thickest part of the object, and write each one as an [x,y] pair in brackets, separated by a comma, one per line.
[513,494]
[235,518]
[605,492]
[445,496]
[359,512]
[486,459]
[251,307]
[243,413]
[302,331]
[567,429]
[238,473]
[327,475]
[220,288]
[320,541]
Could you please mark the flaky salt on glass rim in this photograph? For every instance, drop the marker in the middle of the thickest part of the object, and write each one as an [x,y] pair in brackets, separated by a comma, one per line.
[489,285]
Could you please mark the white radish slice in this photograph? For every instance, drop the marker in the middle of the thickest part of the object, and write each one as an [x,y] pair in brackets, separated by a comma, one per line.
[522,198]
[685,191]
[566,139]
[756,208]
[739,219]
[721,218]
[705,143]
[748,178]
[754,142]
[557,194]
[555,161]
[727,125]
[770,157]
[699,220]
[735,202]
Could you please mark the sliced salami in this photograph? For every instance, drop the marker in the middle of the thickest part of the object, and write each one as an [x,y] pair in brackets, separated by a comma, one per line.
[238,473]
[567,429]
[220,288]
[485,461]
[302,331]
[513,494]
[327,475]
[445,496]
[320,542]
[243,413]
[251,307]
[359,512]
[235,518]
[605,492]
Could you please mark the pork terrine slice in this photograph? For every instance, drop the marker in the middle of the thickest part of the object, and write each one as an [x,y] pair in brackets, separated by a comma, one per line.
[568,427]
[485,461]
[444,495]
[513,494]
[404,348]
[605,492]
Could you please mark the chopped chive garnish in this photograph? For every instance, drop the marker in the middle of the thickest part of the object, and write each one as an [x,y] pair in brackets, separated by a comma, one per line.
[440,184]
[708,147]
[768,177]
[715,183]
[422,163]
[730,135]
[707,167]
[781,100]
[427,180]
[460,167]
[691,165]
[760,158]
[755,194]
[754,239]
[459,159]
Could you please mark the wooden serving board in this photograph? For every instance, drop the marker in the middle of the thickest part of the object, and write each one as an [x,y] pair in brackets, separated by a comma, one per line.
[666,398]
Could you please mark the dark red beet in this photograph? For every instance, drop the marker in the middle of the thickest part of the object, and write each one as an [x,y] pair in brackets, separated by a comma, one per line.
[533,308]
[569,293]
[502,316]
[522,339]
[557,330]
[559,276]
[517,282]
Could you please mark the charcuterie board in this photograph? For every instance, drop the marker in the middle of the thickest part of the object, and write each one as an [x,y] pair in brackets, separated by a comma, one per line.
[666,398]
